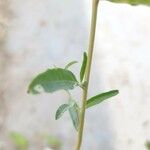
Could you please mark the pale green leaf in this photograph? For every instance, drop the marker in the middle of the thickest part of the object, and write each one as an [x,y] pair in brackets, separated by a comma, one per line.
[53,80]
[60,111]
[74,114]
[83,67]
[70,64]
[101,97]
[132,2]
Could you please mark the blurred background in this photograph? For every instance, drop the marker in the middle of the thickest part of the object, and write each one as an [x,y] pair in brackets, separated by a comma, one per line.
[37,34]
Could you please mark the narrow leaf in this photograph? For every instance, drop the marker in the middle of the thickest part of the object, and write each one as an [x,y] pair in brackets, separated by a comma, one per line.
[83,67]
[70,64]
[74,114]
[101,97]
[53,80]
[132,2]
[60,111]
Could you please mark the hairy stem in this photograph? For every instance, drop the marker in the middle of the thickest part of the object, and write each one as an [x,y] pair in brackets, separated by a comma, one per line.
[88,70]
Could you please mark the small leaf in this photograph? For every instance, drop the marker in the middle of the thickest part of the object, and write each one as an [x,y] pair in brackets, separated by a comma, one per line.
[53,80]
[83,67]
[60,111]
[74,114]
[101,97]
[70,64]
[132,2]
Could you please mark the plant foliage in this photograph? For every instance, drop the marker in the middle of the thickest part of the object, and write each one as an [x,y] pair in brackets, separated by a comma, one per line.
[19,140]
[132,2]
[60,111]
[63,79]
[100,98]
[70,64]
[74,114]
[83,67]
[53,80]
[148,145]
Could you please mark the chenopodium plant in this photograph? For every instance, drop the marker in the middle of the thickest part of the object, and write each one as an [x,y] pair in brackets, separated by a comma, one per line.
[55,79]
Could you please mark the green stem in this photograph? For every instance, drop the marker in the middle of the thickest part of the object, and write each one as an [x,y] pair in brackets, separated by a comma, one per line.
[88,70]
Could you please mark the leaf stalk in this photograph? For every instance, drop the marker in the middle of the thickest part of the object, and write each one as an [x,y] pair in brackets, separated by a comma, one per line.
[87,72]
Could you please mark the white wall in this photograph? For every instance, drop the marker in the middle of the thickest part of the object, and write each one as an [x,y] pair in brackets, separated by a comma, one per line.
[43,33]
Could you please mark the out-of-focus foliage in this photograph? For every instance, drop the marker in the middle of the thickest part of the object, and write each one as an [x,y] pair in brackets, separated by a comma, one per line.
[148,145]
[53,142]
[132,2]
[19,140]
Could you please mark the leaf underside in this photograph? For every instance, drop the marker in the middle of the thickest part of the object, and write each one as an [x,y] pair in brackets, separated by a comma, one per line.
[74,114]
[60,111]
[132,2]
[83,67]
[53,80]
[100,98]
[73,109]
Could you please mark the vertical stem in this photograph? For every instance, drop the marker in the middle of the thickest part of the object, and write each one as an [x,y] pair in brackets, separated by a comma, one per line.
[88,70]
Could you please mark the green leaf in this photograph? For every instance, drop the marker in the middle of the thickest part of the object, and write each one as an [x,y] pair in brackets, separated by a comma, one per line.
[19,140]
[132,2]
[60,111]
[101,97]
[70,64]
[53,80]
[74,114]
[73,109]
[83,67]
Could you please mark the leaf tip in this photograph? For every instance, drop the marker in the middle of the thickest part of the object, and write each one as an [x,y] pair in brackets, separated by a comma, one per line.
[28,91]
[56,117]
[116,92]
[70,64]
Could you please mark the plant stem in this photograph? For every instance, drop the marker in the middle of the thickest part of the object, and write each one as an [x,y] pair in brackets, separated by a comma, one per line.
[88,70]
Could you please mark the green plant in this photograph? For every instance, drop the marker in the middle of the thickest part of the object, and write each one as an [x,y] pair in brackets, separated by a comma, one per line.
[63,79]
